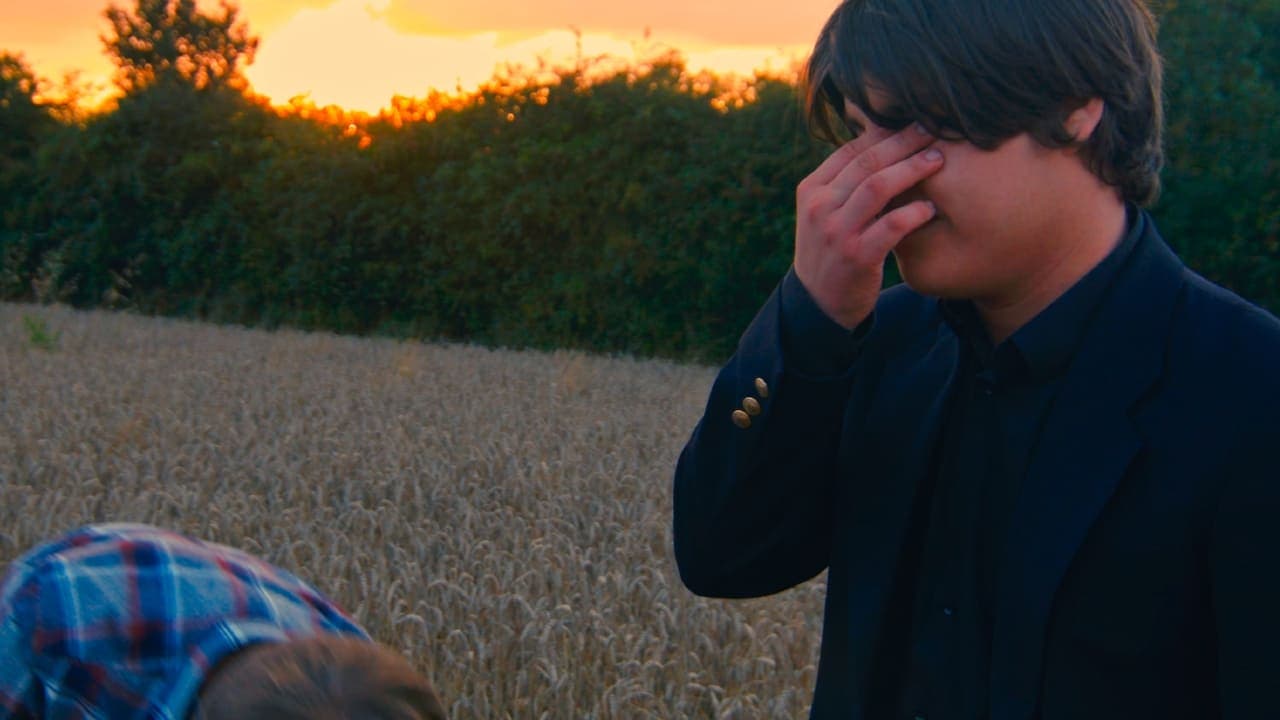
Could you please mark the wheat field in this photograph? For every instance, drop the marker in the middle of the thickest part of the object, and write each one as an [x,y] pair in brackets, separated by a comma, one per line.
[500,517]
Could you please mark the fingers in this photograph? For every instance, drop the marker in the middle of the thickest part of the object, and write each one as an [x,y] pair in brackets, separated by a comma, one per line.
[846,154]
[885,234]
[880,155]
[875,192]
[868,173]
[842,235]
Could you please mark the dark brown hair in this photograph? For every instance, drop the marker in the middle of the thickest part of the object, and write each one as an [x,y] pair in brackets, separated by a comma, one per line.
[323,678]
[986,70]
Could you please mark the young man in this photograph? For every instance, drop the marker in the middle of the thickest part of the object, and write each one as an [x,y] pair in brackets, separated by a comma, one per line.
[1041,474]
[130,621]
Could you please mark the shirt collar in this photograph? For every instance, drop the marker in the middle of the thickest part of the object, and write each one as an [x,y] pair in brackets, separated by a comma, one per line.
[1043,347]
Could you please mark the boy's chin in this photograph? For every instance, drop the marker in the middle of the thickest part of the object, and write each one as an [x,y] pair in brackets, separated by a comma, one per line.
[926,278]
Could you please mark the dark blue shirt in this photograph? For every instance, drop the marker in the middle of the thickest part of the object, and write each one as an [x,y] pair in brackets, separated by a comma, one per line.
[938,665]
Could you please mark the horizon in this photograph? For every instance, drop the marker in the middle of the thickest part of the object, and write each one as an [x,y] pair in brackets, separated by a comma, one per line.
[413,47]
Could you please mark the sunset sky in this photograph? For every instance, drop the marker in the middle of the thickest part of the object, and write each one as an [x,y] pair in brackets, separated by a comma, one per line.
[358,53]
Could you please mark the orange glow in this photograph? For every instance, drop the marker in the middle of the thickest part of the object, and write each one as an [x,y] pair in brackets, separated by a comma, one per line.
[348,55]
[359,54]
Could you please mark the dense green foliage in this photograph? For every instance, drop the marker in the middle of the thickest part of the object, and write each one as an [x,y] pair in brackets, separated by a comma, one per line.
[645,210]
[24,126]
[1221,203]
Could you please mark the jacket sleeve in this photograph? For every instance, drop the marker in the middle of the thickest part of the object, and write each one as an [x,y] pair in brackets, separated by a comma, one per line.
[752,496]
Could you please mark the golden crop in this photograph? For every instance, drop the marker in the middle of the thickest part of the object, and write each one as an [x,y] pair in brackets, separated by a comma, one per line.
[503,518]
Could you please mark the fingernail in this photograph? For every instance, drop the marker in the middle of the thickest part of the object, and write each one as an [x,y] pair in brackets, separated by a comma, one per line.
[933,155]
[921,129]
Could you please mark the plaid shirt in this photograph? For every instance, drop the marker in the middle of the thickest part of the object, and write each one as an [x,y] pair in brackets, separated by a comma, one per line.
[125,621]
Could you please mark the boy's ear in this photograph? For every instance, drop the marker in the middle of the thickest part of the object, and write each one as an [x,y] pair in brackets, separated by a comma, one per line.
[1084,120]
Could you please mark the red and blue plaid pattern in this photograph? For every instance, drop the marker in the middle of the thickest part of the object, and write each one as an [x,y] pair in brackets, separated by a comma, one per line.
[125,621]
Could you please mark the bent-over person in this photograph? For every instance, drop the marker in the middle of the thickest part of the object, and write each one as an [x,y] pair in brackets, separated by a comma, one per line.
[126,621]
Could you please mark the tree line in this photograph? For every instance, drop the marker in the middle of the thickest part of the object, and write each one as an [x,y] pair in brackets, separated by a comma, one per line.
[629,207]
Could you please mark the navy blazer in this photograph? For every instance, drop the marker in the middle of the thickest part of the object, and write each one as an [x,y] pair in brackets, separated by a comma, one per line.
[1139,578]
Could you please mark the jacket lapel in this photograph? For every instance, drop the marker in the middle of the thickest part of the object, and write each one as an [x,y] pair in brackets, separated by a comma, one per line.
[1086,445]
[909,405]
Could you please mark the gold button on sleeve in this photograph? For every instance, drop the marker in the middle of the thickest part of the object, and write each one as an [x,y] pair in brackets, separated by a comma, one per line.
[741,419]
[751,405]
[762,388]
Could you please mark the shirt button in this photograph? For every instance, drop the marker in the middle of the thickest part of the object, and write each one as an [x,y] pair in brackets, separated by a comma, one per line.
[947,611]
